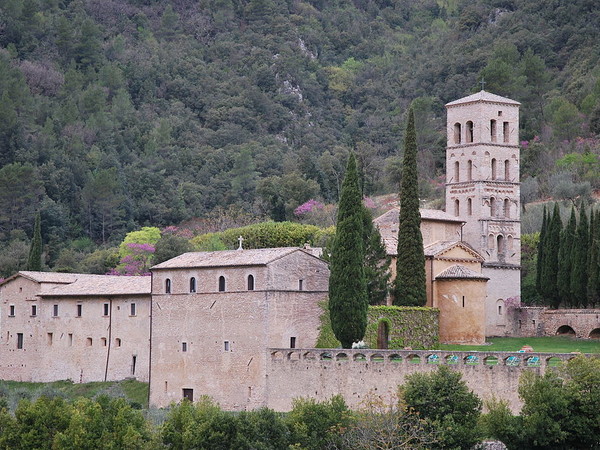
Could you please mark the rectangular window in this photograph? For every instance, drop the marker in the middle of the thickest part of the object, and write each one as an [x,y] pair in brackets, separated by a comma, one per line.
[79,310]
[188,394]
[133,312]
[49,338]
[55,311]
[11,311]
[300,285]
[70,339]
[505,131]
[184,346]
[226,346]
[19,340]
[33,310]
[105,311]
[133,363]
[293,342]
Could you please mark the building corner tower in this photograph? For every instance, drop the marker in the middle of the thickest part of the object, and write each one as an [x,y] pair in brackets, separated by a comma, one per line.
[483,189]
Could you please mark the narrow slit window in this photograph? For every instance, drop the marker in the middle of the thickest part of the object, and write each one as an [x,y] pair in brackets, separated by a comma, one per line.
[11,311]
[250,282]
[457,207]
[493,168]
[184,346]
[192,285]
[79,310]
[293,342]
[34,310]
[105,309]
[456,172]
[54,310]
[168,286]
[49,338]
[470,206]
[19,341]
[133,364]
[221,283]
[506,132]
[132,311]
[226,346]
[300,285]
[493,130]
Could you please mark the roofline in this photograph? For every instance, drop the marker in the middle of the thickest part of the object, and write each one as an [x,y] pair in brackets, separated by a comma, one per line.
[21,274]
[52,295]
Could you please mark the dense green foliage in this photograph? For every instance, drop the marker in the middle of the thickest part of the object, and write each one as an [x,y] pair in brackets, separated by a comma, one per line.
[377,262]
[348,302]
[409,285]
[568,269]
[128,113]
[34,261]
[443,399]
[560,409]
[408,326]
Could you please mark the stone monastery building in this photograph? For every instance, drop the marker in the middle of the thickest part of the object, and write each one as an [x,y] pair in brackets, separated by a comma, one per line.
[205,321]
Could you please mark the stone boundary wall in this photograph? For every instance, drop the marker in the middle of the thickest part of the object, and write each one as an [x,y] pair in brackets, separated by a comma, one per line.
[541,321]
[354,373]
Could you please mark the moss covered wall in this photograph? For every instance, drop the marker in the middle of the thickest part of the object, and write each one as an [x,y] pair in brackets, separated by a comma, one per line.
[415,327]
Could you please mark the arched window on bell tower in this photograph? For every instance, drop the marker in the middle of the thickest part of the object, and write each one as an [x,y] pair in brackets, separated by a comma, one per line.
[501,246]
[470,206]
[507,170]
[493,168]
[456,172]
[457,133]
[457,207]
[469,170]
[493,130]
[492,206]
[469,137]
[506,208]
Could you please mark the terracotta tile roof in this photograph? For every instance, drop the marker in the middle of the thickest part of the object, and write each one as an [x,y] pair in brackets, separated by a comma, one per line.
[460,272]
[100,285]
[47,277]
[483,96]
[439,247]
[231,258]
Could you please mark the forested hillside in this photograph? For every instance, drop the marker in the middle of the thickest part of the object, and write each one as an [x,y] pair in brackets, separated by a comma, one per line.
[117,114]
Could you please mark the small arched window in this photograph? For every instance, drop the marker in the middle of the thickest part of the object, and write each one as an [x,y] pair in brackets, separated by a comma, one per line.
[457,207]
[506,132]
[469,170]
[470,206]
[221,283]
[457,133]
[250,282]
[501,248]
[491,241]
[493,168]
[469,137]
[492,206]
[456,172]
[192,284]
[507,170]
[168,286]
[493,130]
[509,243]
[506,208]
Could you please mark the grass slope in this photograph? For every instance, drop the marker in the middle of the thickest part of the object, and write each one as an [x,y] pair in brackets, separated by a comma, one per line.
[551,344]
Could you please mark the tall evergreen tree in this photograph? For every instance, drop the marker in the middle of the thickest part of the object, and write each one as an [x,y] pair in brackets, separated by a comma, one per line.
[409,288]
[579,270]
[550,269]
[593,284]
[34,262]
[377,262]
[348,301]
[540,252]
[565,260]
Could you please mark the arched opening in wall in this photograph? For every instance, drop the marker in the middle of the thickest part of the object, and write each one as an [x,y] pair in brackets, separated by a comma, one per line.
[492,206]
[221,283]
[506,208]
[565,330]
[595,333]
[457,133]
[505,132]
[493,168]
[470,206]
[469,170]
[493,130]
[491,241]
[501,248]
[469,137]
[192,284]
[250,282]
[168,286]
[457,207]
[383,334]
[507,170]
[510,243]
[456,172]
[500,306]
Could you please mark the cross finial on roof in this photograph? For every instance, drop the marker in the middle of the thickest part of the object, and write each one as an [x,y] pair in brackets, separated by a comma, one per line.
[240,240]
[482,83]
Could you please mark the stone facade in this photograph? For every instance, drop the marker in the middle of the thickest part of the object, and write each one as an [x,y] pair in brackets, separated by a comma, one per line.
[80,327]
[540,321]
[212,341]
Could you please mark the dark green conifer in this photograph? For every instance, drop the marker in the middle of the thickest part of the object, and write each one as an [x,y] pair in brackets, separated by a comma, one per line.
[593,259]
[550,269]
[565,262]
[348,301]
[377,262]
[34,262]
[579,271]
[540,252]
[409,288]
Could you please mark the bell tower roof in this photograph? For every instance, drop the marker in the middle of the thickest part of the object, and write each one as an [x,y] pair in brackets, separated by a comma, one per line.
[483,96]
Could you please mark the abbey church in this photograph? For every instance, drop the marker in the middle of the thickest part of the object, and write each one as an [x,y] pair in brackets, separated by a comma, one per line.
[205,322]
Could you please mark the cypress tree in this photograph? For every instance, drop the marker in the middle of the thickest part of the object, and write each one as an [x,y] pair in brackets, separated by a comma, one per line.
[540,252]
[593,259]
[550,269]
[579,273]
[348,301]
[409,288]
[377,262]
[565,259]
[34,262]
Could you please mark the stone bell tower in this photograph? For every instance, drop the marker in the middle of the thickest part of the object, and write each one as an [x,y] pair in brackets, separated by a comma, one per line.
[483,189]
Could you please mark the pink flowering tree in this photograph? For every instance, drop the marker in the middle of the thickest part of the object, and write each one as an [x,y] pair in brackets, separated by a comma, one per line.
[136,262]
